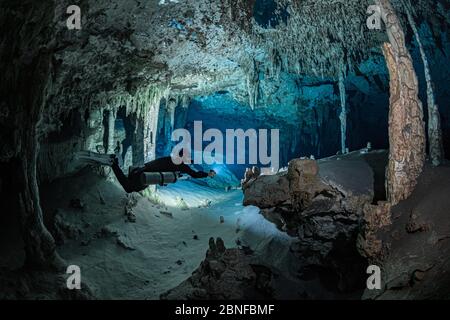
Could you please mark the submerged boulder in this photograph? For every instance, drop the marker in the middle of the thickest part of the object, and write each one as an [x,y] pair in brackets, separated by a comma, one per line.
[309,187]
[267,191]
[411,241]
[225,274]
[322,204]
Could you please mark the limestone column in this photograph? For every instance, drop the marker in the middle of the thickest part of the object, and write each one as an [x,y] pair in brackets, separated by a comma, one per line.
[94,130]
[138,142]
[169,123]
[111,125]
[343,115]
[436,148]
[150,132]
[406,126]
[181,112]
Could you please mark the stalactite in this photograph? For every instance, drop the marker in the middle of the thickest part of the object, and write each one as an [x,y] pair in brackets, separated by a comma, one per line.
[150,130]
[144,107]
[171,110]
[309,25]
[94,129]
[274,64]
[140,103]
[406,126]
[182,112]
[137,143]
[253,83]
[343,114]
[185,102]
[436,148]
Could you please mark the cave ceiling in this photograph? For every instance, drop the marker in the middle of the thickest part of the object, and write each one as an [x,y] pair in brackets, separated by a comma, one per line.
[128,51]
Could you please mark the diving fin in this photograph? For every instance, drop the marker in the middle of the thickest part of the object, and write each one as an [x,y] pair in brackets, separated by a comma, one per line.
[90,157]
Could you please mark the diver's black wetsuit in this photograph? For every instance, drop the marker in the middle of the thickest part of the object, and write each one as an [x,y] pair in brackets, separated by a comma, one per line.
[133,183]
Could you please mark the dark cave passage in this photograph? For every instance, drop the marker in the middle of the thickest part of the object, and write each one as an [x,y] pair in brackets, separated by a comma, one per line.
[313,131]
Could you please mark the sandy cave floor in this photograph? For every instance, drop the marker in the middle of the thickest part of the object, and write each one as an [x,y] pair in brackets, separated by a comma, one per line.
[124,260]
[120,259]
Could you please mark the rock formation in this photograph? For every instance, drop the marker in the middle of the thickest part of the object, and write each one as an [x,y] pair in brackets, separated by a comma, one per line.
[375,218]
[270,191]
[250,176]
[26,88]
[343,114]
[318,203]
[225,274]
[410,241]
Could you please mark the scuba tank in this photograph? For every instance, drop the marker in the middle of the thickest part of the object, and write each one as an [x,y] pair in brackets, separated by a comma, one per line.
[161,178]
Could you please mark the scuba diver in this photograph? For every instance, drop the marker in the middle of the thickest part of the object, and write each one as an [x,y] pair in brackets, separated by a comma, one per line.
[160,171]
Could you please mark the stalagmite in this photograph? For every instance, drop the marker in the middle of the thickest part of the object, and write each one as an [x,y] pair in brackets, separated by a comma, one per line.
[343,115]
[406,126]
[436,148]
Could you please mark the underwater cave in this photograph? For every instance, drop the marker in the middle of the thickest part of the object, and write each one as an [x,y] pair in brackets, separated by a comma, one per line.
[312,136]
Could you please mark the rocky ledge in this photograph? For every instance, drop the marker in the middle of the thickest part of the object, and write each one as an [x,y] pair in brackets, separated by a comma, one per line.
[317,203]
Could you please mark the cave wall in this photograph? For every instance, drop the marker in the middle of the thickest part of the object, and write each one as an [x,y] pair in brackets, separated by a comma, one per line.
[79,131]
[26,83]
